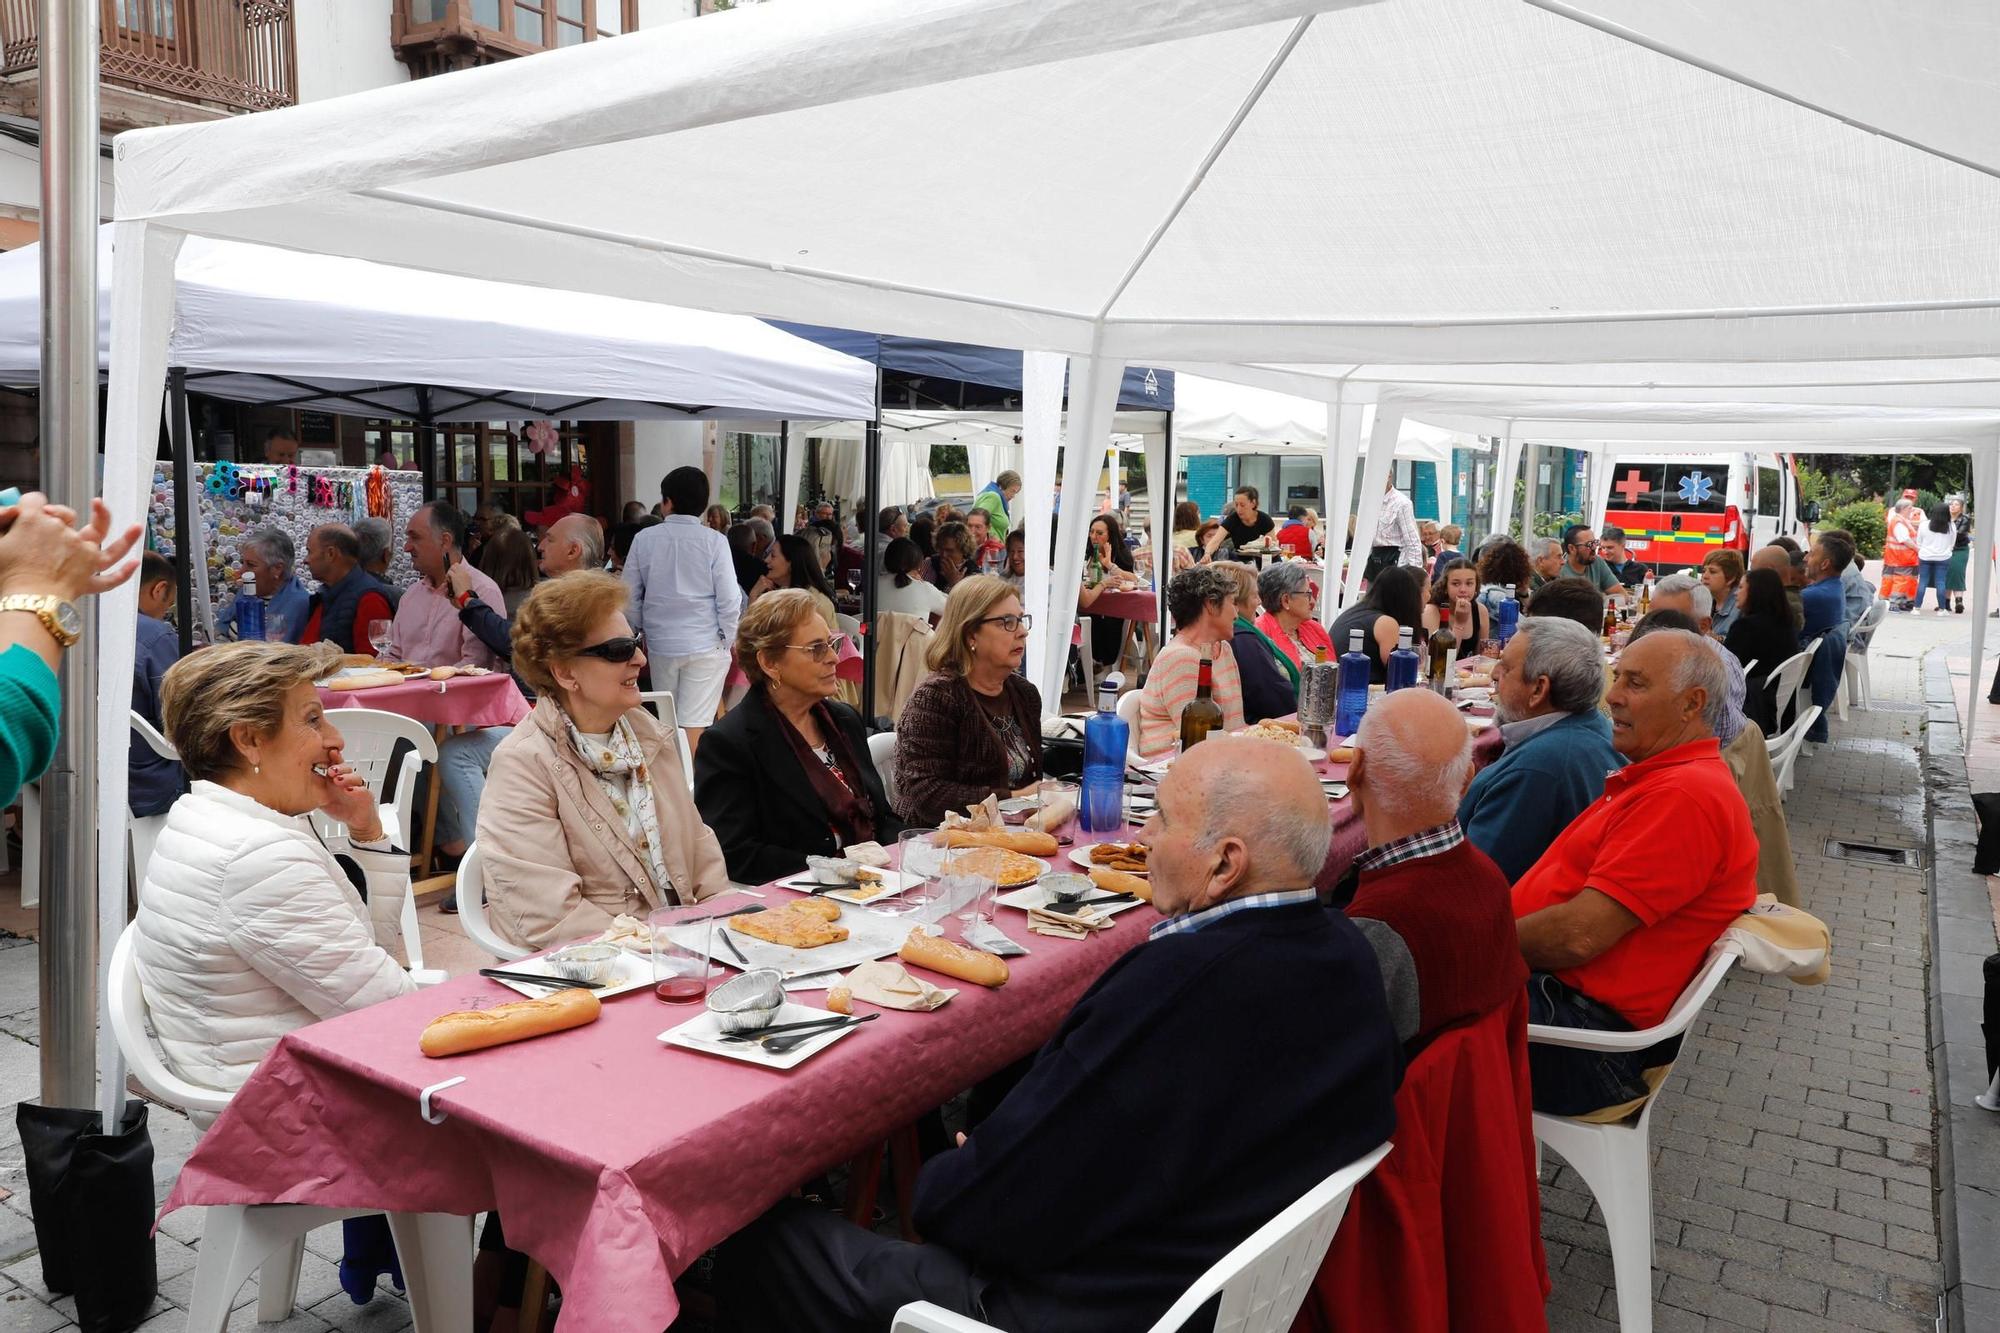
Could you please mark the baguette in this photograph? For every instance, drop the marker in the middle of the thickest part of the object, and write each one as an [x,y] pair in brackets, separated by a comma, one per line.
[365,680]
[443,672]
[1117,881]
[1027,841]
[954,960]
[476,1029]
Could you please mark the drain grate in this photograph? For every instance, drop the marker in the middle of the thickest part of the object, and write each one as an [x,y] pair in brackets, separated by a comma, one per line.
[1874,853]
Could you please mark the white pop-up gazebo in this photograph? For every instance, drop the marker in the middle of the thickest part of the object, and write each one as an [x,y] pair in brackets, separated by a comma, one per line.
[1262,182]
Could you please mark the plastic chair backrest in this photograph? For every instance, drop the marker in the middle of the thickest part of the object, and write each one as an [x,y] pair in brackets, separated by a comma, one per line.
[663,708]
[1128,709]
[125,1008]
[1785,677]
[882,750]
[159,744]
[1784,748]
[370,737]
[1863,632]
[1680,1017]
[1264,1280]
[472,909]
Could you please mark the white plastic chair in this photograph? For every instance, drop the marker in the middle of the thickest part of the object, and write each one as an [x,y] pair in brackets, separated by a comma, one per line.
[1785,746]
[1787,678]
[882,749]
[1128,710]
[1854,677]
[472,909]
[1613,1159]
[143,831]
[1263,1281]
[370,737]
[663,708]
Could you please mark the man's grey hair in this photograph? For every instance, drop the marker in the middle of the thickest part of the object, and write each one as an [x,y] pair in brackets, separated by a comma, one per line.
[1280,581]
[276,546]
[1398,779]
[1570,656]
[590,536]
[761,529]
[1699,668]
[374,537]
[1539,547]
[1272,832]
[1675,584]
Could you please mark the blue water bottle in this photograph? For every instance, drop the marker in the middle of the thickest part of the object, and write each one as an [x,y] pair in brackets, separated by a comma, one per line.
[1351,699]
[249,611]
[1402,662]
[1106,737]
[1507,617]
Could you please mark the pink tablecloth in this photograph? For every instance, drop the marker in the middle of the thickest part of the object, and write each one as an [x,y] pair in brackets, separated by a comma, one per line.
[463,701]
[616,1159]
[1137,604]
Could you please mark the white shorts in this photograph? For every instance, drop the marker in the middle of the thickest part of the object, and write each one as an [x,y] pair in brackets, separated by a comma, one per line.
[696,682]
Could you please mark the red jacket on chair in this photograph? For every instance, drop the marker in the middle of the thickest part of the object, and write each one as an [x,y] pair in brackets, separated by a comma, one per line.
[1446,1234]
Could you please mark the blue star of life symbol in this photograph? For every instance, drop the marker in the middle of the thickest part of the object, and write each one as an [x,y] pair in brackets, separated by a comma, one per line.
[1696,488]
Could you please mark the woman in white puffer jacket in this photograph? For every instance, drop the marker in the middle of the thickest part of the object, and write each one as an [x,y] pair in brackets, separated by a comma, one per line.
[248,927]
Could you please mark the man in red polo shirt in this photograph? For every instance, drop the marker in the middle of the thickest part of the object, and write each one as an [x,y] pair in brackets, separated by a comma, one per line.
[1617,915]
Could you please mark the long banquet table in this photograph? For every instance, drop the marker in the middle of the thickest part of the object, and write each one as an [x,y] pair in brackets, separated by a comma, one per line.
[615,1159]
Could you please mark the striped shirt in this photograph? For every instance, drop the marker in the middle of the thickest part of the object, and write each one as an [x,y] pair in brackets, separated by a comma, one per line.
[1170,687]
[1193,921]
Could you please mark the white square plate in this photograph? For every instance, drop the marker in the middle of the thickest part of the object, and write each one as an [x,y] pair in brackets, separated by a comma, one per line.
[894,881]
[870,935]
[1036,896]
[703,1033]
[635,972]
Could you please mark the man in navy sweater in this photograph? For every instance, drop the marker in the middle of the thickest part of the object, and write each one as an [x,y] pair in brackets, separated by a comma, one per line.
[1826,618]
[1210,1077]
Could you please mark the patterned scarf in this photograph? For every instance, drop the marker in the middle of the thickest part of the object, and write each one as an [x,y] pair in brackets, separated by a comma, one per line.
[622,771]
[850,814]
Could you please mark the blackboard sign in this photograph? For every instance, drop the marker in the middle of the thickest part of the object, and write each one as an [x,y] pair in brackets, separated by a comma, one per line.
[317,428]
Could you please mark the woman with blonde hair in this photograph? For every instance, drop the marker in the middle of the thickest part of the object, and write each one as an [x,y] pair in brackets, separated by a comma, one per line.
[586,814]
[786,774]
[974,729]
[248,925]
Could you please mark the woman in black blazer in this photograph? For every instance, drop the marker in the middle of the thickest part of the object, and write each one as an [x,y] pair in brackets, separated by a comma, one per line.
[1762,634]
[786,773]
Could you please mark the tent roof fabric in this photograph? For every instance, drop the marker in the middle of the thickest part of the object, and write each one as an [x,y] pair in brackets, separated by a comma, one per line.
[259,324]
[1446,180]
[1143,389]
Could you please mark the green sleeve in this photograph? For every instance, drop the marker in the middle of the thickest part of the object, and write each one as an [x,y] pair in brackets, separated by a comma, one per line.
[29,704]
[996,511]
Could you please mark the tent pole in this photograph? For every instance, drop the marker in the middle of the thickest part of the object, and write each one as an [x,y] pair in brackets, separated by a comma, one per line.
[427,446]
[1505,469]
[1375,473]
[184,520]
[871,555]
[784,474]
[69,475]
[1986,491]
[1163,531]
[1343,448]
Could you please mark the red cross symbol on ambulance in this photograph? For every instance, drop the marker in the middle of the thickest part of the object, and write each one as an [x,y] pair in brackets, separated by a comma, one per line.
[1631,487]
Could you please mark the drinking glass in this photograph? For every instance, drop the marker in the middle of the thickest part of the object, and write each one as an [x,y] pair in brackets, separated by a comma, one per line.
[684,946]
[919,852]
[974,892]
[378,636]
[1050,792]
[275,626]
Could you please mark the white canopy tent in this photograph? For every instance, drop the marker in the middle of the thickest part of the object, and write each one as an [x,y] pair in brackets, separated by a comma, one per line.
[263,325]
[1701,184]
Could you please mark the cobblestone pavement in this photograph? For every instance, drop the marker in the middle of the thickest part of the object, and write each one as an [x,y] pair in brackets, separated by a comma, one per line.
[1793,1167]
[1793,1149]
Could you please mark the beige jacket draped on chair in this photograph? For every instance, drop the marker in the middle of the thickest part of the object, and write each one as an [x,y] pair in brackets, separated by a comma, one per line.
[558,862]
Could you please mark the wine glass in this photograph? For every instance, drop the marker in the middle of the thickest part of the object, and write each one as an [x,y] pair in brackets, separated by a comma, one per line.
[379,632]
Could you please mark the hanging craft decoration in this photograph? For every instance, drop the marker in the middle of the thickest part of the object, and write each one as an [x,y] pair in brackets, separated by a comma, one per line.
[378,493]
[572,496]
[541,437]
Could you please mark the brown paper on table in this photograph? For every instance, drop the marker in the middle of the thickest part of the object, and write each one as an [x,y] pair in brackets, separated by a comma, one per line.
[984,815]
[1067,925]
[890,985]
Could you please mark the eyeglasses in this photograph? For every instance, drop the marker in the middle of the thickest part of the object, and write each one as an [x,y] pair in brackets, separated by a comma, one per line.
[1012,624]
[1584,546]
[822,650]
[617,651]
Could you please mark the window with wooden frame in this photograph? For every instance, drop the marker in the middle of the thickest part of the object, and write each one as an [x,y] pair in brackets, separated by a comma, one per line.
[491,461]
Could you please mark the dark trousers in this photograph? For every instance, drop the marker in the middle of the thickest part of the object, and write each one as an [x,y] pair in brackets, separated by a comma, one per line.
[802,1269]
[1379,559]
[1823,679]
[1573,1082]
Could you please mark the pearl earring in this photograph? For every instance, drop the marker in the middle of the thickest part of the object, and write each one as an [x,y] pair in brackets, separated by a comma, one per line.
[255,768]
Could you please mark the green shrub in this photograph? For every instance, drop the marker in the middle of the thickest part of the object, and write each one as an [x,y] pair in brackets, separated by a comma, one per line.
[1864,521]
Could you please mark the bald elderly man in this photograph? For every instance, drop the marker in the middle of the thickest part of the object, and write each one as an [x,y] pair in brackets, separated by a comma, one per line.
[1616,917]
[1233,1059]
[573,542]
[1434,908]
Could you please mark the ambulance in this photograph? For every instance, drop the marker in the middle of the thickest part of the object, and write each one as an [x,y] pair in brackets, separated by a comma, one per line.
[1675,510]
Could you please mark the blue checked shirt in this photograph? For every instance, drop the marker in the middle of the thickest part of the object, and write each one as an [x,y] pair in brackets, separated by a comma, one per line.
[1208,916]
[1426,842]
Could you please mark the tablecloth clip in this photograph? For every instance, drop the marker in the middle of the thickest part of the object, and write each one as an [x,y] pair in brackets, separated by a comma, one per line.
[424,1100]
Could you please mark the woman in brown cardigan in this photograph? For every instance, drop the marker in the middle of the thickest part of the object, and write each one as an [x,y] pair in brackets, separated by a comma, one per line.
[974,729]
[586,813]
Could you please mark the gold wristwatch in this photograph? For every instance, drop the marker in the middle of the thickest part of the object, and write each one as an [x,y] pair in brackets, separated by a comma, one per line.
[58,617]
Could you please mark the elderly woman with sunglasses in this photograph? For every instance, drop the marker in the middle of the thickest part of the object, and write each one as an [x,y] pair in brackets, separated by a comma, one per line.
[786,773]
[974,728]
[587,813]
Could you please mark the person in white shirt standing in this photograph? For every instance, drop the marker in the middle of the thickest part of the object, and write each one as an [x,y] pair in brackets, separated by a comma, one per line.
[1397,538]
[684,583]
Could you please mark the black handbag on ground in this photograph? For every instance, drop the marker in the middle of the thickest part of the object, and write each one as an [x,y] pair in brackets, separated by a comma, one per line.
[92,1197]
[1986,856]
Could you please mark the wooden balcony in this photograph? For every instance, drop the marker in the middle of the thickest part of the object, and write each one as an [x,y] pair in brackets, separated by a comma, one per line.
[164,61]
[438,36]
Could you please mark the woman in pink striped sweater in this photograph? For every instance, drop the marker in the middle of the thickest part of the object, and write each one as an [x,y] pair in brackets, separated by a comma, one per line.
[1202,602]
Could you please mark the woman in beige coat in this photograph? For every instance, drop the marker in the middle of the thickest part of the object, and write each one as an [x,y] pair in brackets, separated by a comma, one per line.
[587,813]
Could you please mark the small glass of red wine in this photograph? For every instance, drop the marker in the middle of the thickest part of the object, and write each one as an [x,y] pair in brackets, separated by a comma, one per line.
[684,965]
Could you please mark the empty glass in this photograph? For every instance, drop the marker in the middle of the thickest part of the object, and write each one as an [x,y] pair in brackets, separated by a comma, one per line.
[684,946]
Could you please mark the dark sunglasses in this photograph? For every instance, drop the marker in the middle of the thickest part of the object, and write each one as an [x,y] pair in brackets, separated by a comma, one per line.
[618,651]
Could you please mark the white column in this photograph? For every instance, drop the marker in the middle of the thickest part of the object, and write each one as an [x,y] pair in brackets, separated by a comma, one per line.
[1506,468]
[1375,474]
[791,485]
[1160,490]
[1533,456]
[1093,394]
[1041,445]
[1600,487]
[1343,451]
[1985,520]
[142,315]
